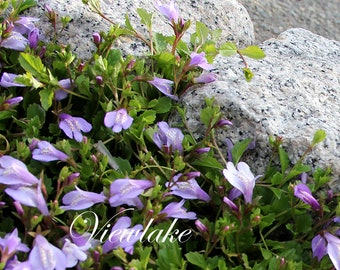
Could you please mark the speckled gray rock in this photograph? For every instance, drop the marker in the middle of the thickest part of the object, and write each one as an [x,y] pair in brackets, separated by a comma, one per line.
[228,15]
[295,91]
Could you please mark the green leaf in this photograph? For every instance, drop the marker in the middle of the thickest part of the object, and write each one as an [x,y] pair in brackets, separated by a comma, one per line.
[36,110]
[170,256]
[161,42]
[207,161]
[6,114]
[239,149]
[163,105]
[114,57]
[277,178]
[253,52]
[297,169]
[248,74]
[197,259]
[20,6]
[228,49]
[33,64]
[128,24]
[146,17]
[148,117]
[202,32]
[46,98]
[319,136]
[284,160]
[303,223]
[276,191]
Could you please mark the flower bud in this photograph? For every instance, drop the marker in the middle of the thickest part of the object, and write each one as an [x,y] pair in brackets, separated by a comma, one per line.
[200,226]
[96,38]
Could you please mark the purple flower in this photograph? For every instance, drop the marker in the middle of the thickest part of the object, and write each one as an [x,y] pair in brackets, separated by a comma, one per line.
[333,249]
[176,210]
[319,246]
[303,192]
[15,172]
[24,25]
[60,94]
[47,152]
[10,245]
[30,196]
[187,189]
[327,243]
[45,256]
[126,191]
[168,139]
[74,253]
[72,126]
[241,178]
[168,10]
[14,41]
[11,102]
[123,236]
[118,120]
[7,80]
[33,38]
[198,59]
[164,86]
[80,199]
[231,204]
[205,78]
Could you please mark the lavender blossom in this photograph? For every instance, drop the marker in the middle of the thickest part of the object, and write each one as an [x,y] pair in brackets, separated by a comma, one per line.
[74,253]
[168,10]
[33,38]
[187,189]
[126,191]
[10,244]
[118,120]
[14,41]
[168,139]
[15,172]
[11,102]
[303,192]
[176,210]
[72,126]
[326,243]
[7,80]
[24,25]
[205,78]
[241,178]
[164,86]
[333,249]
[319,247]
[123,236]
[80,199]
[30,196]
[60,94]
[46,256]
[47,152]
[198,59]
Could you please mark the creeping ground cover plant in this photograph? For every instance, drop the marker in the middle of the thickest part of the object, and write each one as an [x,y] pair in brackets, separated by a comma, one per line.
[93,175]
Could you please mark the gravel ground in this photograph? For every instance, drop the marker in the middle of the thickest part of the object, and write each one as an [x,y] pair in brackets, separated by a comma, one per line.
[272,17]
